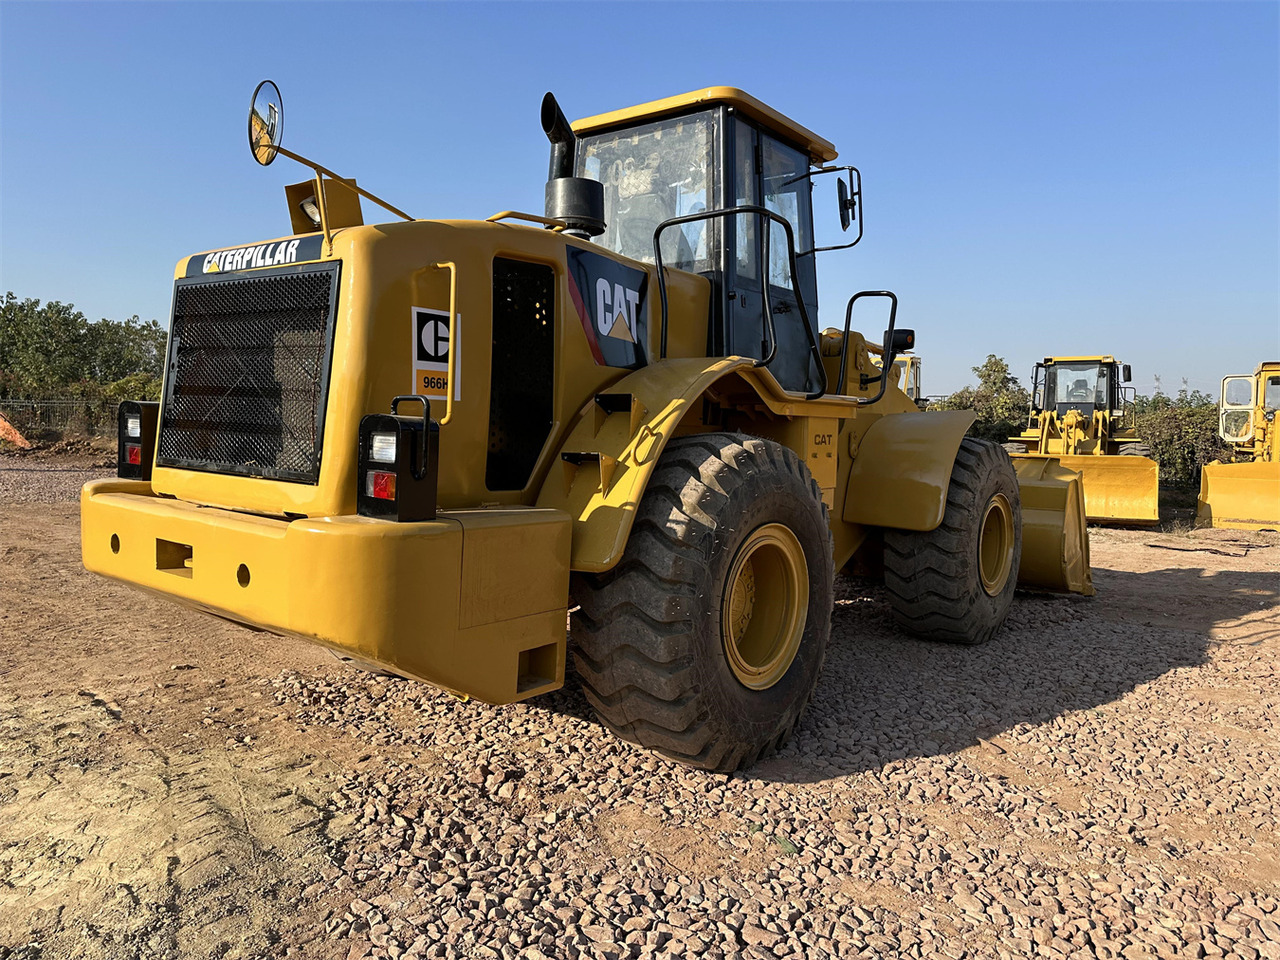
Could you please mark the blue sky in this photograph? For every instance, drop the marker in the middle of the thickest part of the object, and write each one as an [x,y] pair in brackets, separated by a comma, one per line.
[1039,178]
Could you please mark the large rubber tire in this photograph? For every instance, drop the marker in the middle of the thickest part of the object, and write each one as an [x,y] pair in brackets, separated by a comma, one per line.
[649,635]
[1134,450]
[941,583]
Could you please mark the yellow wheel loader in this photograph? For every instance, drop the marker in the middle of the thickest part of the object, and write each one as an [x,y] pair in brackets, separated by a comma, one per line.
[1245,494]
[1082,416]
[420,442]
[906,370]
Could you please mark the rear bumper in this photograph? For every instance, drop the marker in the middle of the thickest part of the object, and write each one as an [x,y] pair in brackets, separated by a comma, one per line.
[487,621]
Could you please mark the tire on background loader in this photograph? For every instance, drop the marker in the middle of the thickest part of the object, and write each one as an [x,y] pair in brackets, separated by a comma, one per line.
[955,583]
[706,640]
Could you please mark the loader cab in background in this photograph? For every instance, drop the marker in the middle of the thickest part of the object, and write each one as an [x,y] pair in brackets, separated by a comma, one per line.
[718,149]
[1082,384]
[1243,493]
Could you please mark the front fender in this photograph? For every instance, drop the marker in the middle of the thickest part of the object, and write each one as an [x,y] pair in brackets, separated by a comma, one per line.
[900,475]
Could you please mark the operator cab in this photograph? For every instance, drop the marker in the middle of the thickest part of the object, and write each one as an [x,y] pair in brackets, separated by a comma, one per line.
[1083,384]
[707,151]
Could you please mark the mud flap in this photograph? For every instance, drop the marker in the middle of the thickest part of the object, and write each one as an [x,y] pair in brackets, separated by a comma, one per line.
[1239,496]
[1118,489]
[1055,538]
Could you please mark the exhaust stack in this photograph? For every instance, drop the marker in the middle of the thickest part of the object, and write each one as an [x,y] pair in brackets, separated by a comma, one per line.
[578,201]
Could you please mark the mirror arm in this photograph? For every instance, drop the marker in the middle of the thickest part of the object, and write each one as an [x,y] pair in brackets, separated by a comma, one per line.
[350,183]
[324,213]
[855,197]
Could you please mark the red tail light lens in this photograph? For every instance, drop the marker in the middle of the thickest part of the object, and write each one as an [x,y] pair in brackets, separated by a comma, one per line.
[133,451]
[380,484]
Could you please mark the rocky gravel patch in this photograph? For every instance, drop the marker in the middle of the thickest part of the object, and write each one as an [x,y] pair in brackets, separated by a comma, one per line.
[26,479]
[1076,788]
[1099,781]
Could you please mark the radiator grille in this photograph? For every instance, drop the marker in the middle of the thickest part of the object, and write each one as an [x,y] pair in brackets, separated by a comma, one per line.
[248,374]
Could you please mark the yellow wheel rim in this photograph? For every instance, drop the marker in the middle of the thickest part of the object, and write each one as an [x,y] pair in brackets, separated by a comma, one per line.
[995,545]
[763,613]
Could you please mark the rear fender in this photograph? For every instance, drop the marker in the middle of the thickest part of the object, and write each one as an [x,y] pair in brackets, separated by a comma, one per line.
[900,475]
[607,458]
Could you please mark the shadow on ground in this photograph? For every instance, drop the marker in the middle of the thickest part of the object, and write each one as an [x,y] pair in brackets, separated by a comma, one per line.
[885,695]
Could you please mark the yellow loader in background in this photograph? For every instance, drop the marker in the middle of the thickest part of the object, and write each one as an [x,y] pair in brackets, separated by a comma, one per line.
[1245,494]
[906,368]
[1083,417]
[419,443]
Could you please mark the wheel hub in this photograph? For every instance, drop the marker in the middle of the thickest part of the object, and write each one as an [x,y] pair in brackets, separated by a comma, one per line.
[995,545]
[765,606]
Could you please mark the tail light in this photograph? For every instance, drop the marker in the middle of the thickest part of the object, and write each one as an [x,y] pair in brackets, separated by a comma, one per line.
[136,446]
[398,466]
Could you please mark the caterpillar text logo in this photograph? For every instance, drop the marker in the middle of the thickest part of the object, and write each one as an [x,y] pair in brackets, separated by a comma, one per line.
[277,253]
[610,300]
[616,310]
[261,255]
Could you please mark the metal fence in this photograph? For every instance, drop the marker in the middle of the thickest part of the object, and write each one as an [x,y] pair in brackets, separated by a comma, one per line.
[46,418]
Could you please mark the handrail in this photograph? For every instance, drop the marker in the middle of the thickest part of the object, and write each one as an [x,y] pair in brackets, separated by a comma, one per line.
[886,351]
[768,307]
[556,225]
[451,386]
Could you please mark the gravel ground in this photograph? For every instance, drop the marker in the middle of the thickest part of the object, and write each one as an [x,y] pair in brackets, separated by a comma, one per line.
[53,477]
[1099,781]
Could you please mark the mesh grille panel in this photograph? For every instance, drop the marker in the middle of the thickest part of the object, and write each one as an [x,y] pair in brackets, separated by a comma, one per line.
[248,373]
[523,374]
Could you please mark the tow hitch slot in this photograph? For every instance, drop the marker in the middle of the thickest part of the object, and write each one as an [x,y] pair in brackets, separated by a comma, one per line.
[173,557]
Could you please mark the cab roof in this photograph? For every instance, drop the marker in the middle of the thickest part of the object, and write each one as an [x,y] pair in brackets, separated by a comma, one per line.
[1094,359]
[819,150]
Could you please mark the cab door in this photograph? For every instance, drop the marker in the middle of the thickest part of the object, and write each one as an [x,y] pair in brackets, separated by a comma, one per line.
[772,174]
[1235,412]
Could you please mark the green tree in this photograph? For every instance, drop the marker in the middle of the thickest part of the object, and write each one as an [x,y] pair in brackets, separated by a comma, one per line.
[51,350]
[42,348]
[999,400]
[1182,432]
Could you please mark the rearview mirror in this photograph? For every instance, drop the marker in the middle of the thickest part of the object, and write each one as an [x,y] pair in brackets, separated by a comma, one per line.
[902,340]
[846,208]
[1126,372]
[266,122]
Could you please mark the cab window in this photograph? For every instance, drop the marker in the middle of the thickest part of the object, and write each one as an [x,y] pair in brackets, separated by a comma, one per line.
[1237,392]
[1271,394]
[651,173]
[1076,383]
[783,175]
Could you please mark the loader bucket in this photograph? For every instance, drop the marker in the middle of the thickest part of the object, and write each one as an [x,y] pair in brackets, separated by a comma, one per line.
[1118,489]
[1055,538]
[1241,496]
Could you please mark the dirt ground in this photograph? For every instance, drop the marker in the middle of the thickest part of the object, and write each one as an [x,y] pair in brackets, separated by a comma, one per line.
[1099,781]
